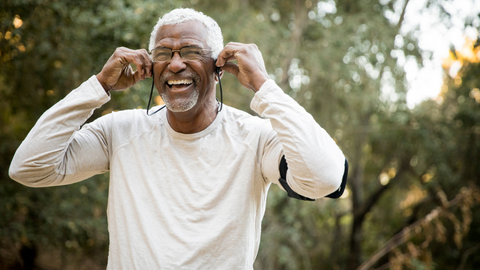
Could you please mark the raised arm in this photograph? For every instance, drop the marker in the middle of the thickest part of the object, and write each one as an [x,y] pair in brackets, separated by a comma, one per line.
[316,165]
[56,151]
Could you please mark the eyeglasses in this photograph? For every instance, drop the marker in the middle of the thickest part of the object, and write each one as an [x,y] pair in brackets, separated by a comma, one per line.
[162,54]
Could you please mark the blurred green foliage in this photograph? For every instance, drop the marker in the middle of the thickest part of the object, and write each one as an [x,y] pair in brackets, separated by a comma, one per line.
[338,59]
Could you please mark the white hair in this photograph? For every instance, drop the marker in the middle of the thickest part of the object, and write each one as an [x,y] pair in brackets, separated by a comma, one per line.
[214,36]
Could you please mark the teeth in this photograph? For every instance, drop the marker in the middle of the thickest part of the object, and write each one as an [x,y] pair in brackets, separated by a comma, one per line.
[184,81]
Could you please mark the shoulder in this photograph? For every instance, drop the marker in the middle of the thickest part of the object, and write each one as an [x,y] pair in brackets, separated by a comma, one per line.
[241,122]
[133,118]
[240,117]
[128,122]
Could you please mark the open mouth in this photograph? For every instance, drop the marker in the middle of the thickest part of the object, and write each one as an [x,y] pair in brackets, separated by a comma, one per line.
[179,83]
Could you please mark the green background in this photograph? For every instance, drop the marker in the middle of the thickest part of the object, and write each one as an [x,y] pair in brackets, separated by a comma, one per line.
[414,172]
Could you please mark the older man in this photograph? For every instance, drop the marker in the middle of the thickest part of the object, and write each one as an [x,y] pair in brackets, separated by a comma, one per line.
[188,185]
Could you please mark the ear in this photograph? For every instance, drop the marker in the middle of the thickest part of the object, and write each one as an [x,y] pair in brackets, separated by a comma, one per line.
[218,73]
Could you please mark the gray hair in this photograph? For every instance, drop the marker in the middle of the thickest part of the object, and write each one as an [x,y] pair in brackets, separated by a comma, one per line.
[214,36]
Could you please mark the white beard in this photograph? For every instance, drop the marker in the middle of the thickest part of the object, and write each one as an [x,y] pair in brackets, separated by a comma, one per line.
[177,106]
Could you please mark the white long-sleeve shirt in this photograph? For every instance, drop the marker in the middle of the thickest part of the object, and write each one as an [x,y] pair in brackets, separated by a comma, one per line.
[181,201]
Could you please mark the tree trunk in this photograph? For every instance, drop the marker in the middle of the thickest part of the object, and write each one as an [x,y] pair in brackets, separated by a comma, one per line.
[356,184]
[301,19]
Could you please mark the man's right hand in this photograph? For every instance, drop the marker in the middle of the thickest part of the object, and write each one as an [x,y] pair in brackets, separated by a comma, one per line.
[117,74]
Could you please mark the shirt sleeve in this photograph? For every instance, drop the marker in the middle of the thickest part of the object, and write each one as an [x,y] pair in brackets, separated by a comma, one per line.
[315,162]
[56,152]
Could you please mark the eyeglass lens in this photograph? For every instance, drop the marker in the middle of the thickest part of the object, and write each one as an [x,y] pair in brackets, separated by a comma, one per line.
[186,53]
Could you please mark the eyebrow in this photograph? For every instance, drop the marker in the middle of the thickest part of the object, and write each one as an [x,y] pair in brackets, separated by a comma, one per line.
[188,46]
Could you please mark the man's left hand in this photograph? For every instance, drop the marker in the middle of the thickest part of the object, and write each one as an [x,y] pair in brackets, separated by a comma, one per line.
[250,69]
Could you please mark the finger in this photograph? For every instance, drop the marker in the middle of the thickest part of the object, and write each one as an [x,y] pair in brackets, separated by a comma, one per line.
[130,60]
[224,57]
[147,62]
[137,77]
[231,68]
[138,61]
[139,58]
[228,53]
[143,63]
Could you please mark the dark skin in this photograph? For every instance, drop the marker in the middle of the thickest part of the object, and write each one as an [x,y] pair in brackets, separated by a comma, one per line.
[201,72]
[117,73]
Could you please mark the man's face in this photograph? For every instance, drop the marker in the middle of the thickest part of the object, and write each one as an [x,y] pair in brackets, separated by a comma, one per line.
[184,84]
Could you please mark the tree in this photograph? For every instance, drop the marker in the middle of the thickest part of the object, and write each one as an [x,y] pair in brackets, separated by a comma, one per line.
[45,51]
[443,192]
[341,60]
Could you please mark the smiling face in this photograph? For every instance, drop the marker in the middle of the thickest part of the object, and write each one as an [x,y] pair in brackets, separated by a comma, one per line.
[184,84]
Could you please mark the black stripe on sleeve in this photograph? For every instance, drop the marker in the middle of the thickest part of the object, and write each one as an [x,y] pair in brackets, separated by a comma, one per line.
[283,167]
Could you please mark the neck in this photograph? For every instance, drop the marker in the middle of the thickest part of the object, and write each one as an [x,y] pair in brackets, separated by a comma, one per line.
[194,120]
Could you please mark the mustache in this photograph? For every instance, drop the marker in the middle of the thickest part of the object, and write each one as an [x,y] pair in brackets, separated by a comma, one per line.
[185,75]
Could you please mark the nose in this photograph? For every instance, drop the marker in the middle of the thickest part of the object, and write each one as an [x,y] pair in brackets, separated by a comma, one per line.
[176,63]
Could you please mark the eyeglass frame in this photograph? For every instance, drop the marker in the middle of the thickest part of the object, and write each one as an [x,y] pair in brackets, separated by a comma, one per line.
[179,53]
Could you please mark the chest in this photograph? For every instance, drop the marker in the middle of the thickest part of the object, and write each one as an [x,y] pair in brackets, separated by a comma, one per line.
[215,167]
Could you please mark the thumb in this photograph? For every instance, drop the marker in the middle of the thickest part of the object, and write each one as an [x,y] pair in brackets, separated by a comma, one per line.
[137,76]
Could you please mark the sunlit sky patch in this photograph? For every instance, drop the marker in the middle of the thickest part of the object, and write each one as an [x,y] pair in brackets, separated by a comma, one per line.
[435,37]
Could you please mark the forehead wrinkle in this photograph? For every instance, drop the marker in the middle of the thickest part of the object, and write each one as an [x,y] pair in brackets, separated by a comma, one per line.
[182,34]
[174,43]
